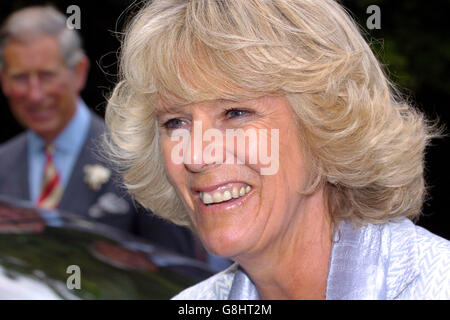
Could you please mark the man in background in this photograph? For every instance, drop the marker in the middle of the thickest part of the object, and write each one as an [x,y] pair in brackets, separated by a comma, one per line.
[55,163]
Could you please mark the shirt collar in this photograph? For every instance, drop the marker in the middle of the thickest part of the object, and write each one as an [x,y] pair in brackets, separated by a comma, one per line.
[69,140]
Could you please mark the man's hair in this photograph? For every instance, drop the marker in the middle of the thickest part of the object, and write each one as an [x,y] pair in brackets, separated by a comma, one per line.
[31,22]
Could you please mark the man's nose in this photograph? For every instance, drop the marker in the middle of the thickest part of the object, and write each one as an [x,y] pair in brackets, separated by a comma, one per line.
[35,90]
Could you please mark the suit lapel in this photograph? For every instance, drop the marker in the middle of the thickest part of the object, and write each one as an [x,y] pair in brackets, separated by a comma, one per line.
[77,194]
[15,169]
[23,184]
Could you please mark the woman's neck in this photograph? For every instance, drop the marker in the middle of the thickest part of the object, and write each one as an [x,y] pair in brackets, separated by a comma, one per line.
[296,266]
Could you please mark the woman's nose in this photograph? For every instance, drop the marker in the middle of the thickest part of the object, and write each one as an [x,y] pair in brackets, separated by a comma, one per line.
[205,149]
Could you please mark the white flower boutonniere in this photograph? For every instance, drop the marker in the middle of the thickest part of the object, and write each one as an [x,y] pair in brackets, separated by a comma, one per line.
[96,175]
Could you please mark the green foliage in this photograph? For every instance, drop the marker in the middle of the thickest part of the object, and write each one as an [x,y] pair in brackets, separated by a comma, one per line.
[413,42]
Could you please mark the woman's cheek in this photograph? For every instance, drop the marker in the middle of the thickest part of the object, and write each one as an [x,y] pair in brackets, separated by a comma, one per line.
[167,148]
[261,150]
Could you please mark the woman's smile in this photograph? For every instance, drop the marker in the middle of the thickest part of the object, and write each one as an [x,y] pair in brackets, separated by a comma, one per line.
[225,193]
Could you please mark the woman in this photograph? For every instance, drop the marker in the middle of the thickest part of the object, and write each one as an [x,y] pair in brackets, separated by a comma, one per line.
[314,201]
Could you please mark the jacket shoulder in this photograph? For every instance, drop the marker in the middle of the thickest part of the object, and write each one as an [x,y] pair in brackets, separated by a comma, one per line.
[216,287]
[13,155]
[97,123]
[13,146]
[433,263]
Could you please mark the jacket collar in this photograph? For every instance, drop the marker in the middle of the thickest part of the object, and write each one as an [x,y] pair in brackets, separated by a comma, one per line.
[404,257]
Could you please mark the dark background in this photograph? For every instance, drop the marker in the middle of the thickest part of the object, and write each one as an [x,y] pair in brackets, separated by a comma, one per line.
[413,44]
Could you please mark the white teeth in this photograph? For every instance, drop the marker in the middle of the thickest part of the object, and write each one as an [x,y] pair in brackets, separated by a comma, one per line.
[206,198]
[226,195]
[217,197]
[235,193]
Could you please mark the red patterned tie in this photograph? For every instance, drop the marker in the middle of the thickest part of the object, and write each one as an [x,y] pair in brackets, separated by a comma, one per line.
[51,190]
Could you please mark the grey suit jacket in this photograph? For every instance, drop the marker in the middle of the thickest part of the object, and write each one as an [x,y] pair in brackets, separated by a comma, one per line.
[80,199]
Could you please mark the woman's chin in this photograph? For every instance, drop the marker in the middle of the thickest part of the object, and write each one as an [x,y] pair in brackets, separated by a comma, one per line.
[226,245]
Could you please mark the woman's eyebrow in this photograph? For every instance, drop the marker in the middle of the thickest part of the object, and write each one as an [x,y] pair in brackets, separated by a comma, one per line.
[233,103]
[171,109]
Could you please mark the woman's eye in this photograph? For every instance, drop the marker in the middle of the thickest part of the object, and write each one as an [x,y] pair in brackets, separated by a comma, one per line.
[233,113]
[174,123]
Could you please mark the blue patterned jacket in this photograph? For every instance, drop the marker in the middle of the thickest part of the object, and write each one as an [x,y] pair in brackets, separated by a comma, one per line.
[397,260]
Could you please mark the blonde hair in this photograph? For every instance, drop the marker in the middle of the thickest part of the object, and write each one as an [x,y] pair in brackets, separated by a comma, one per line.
[364,143]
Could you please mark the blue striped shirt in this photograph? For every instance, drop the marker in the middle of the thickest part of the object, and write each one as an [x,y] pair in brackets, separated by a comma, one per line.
[67,147]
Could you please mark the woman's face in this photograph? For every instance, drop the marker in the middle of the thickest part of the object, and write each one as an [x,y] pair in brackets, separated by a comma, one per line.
[243,197]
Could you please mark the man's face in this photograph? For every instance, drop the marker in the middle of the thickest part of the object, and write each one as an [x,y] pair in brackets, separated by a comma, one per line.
[42,91]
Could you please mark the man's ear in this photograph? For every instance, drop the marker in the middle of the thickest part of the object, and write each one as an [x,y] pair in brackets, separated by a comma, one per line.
[81,72]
